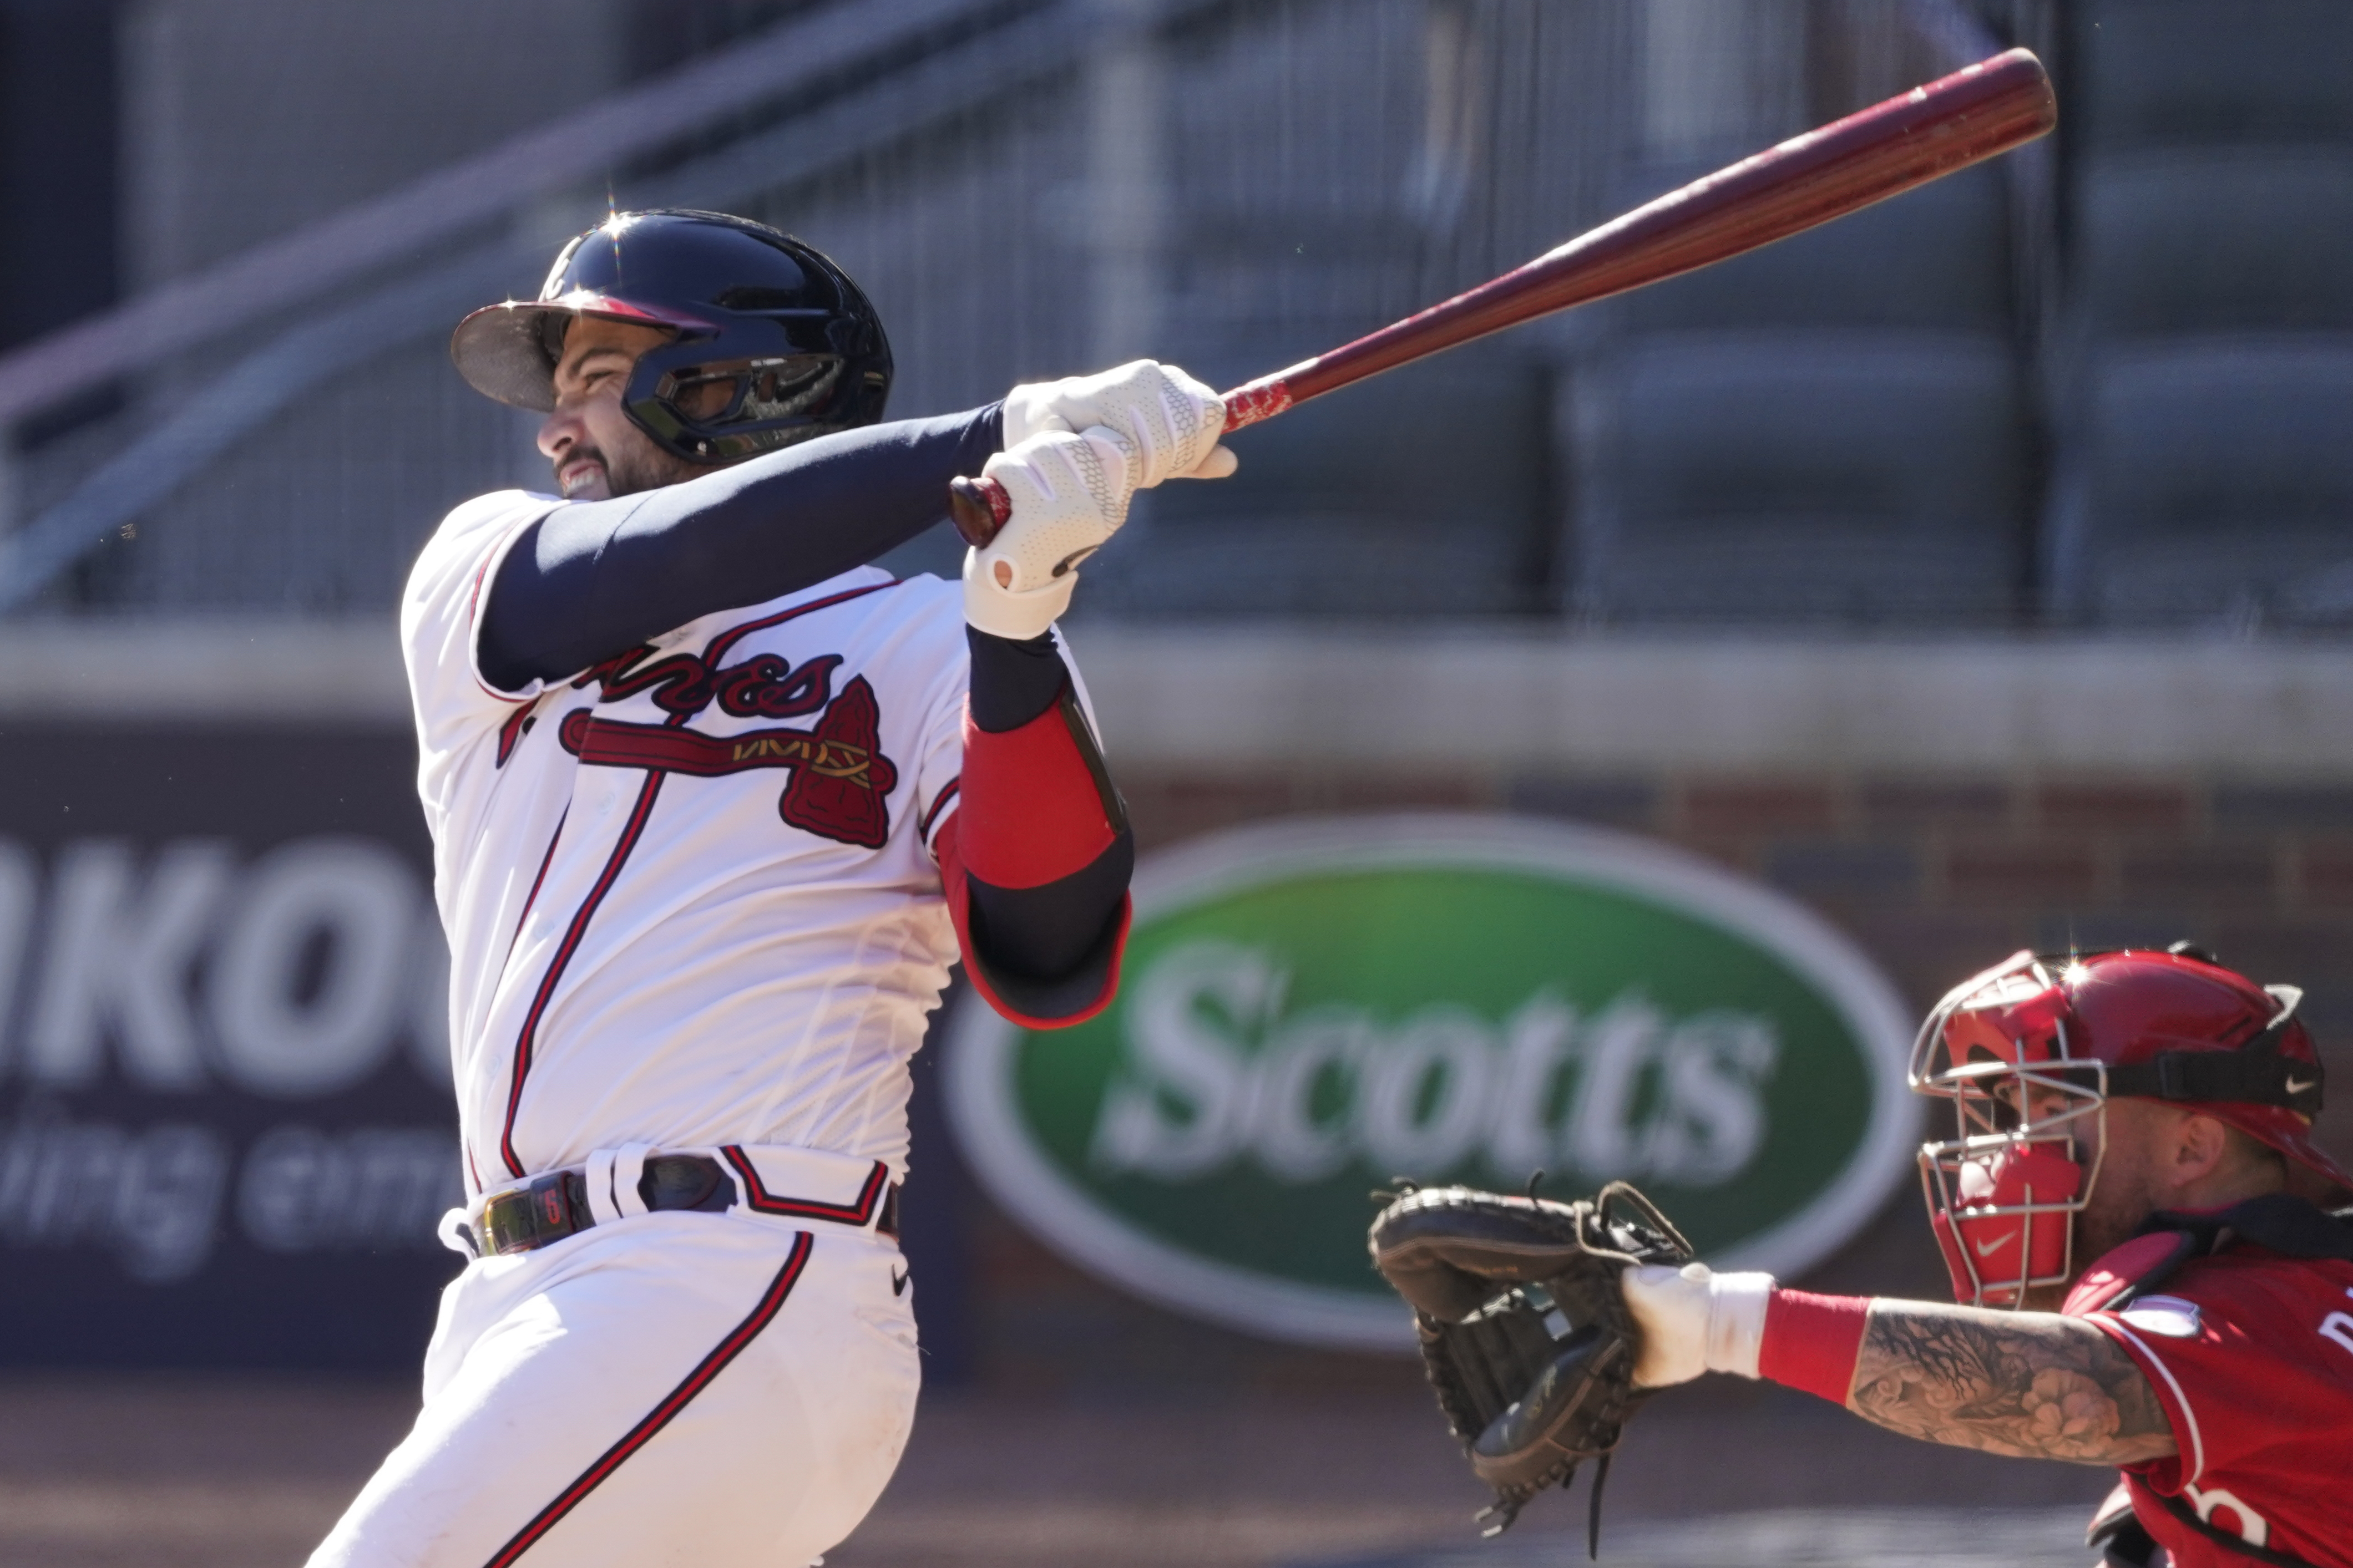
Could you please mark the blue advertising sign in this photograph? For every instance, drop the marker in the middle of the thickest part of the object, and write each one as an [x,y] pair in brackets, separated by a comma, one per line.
[225,1128]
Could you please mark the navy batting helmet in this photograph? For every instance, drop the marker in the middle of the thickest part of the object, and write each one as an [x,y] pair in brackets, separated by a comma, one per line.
[794,342]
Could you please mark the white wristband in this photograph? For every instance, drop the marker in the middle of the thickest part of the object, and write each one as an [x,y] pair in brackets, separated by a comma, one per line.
[1693,1321]
[1735,1320]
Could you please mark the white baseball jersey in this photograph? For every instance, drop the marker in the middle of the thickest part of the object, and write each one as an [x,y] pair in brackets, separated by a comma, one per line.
[688,894]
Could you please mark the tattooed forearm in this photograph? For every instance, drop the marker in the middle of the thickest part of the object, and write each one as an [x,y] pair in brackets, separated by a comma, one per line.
[2027,1385]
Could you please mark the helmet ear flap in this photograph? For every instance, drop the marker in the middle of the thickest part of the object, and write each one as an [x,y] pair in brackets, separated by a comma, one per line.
[650,400]
[773,401]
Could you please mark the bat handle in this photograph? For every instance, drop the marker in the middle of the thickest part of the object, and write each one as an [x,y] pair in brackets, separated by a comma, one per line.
[980,508]
[1263,398]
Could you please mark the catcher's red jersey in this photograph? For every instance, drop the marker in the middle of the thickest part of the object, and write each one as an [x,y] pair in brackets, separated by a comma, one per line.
[2251,1353]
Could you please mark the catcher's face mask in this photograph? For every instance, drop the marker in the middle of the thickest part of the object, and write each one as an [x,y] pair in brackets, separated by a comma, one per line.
[2030,1051]
[2004,1193]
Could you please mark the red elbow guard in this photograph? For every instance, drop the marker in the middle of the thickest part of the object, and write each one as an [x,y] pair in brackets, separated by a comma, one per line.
[1037,802]
[953,878]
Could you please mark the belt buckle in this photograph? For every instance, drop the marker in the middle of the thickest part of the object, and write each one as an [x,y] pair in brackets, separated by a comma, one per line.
[526,1218]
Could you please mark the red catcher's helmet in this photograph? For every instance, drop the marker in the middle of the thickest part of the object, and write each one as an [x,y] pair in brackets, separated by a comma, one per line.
[2034,1045]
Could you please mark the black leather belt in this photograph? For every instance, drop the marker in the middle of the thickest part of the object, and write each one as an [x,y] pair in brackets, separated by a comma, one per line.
[556,1205]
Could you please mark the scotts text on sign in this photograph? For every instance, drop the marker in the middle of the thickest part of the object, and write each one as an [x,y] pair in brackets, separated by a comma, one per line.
[1311,1009]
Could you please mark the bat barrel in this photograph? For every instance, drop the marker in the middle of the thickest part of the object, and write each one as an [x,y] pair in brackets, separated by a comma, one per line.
[1884,151]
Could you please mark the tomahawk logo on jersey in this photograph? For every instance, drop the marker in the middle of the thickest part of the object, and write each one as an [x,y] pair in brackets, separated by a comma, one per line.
[2252,1354]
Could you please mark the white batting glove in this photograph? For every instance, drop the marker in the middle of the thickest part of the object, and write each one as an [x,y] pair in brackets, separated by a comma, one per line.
[1171,420]
[1693,1321]
[1070,495]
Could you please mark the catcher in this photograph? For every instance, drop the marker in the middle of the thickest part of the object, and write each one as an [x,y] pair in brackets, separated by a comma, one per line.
[2133,1212]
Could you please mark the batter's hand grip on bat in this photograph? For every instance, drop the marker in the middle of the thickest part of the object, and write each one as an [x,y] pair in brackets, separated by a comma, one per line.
[979,508]
[1884,151]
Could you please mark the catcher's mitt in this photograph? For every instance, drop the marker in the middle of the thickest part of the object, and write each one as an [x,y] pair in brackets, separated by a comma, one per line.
[1524,1327]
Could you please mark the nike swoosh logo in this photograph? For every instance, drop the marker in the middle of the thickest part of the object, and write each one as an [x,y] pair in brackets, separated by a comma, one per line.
[2298,1086]
[1988,1248]
[899,1283]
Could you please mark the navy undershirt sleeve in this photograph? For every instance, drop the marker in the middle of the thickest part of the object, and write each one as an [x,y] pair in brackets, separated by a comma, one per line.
[1013,682]
[594,578]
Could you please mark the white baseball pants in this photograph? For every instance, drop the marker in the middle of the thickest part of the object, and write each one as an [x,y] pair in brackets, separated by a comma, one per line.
[693,1389]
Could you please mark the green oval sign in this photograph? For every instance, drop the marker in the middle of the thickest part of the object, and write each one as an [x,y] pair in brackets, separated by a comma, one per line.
[1313,1008]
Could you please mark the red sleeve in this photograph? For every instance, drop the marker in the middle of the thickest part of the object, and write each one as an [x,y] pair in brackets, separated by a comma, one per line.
[1813,1342]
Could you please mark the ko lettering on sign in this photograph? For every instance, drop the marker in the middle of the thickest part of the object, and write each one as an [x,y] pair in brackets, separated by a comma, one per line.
[187,1025]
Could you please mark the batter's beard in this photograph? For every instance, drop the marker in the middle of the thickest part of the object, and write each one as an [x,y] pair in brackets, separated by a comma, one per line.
[634,470]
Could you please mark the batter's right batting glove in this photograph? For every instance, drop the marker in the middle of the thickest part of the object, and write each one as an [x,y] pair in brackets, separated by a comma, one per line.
[1170,421]
[1070,494]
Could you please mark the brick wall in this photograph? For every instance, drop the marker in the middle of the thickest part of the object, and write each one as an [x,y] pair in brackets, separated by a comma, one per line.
[1936,877]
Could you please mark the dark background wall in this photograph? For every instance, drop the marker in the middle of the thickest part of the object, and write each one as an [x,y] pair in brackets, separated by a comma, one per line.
[57,163]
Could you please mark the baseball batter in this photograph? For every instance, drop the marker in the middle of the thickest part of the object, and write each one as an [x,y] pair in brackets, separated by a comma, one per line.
[714,807]
[2148,1281]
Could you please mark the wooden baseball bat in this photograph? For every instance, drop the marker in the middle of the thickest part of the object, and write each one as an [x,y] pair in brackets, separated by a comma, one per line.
[1881,152]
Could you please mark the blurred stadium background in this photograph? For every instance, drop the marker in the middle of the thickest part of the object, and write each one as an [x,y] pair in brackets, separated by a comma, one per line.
[1977,571]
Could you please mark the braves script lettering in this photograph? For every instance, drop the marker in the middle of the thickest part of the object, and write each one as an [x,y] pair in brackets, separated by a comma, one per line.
[840,781]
